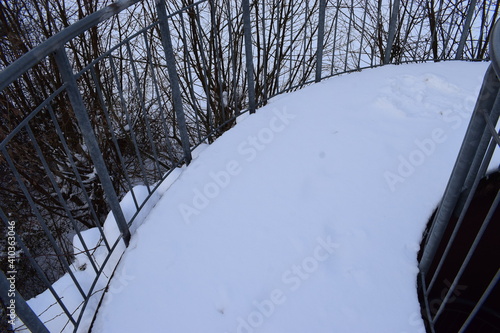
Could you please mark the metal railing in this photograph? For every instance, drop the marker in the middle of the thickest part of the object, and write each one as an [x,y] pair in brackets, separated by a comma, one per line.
[460,260]
[77,134]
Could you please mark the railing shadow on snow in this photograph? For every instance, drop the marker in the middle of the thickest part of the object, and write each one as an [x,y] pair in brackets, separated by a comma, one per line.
[121,122]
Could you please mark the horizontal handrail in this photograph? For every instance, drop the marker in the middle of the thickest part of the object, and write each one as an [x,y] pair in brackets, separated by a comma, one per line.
[52,44]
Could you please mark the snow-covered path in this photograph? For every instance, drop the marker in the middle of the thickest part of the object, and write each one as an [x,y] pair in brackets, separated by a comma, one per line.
[306,217]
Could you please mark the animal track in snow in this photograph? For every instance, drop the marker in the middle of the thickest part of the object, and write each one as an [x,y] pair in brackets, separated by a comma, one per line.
[423,96]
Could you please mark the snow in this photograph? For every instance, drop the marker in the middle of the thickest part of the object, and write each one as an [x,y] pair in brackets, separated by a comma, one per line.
[45,304]
[305,217]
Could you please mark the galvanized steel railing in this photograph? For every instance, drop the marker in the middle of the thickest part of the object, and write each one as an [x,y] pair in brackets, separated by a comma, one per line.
[460,260]
[71,150]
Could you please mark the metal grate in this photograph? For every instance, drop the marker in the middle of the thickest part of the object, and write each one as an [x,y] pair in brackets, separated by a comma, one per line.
[460,259]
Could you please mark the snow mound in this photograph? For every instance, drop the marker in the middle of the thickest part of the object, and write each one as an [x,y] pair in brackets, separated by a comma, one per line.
[307,216]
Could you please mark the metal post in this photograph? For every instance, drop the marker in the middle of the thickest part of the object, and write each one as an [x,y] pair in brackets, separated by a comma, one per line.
[174,79]
[486,99]
[19,306]
[91,141]
[265,54]
[349,31]
[477,166]
[494,52]
[482,300]
[495,48]
[392,31]
[487,220]
[247,29]
[465,31]
[321,37]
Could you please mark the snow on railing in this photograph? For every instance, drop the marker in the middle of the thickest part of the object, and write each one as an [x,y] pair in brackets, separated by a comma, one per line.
[88,121]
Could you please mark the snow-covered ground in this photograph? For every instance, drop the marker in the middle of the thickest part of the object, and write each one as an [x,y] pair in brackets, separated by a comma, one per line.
[306,217]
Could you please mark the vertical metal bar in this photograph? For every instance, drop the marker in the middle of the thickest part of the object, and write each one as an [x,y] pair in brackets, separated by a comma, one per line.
[469,255]
[479,173]
[427,315]
[481,301]
[378,31]
[247,30]
[290,43]
[91,142]
[321,38]
[465,31]
[486,99]
[351,15]
[478,160]
[22,309]
[278,54]
[362,34]
[495,47]
[174,80]
[265,53]
[392,31]
[335,30]
[304,42]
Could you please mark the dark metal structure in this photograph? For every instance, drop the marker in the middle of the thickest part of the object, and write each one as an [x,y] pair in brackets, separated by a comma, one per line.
[460,256]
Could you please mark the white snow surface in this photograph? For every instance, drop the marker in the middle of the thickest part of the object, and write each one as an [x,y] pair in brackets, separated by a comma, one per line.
[305,217]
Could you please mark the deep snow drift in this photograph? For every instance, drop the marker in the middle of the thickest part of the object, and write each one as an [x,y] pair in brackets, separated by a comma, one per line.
[306,217]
